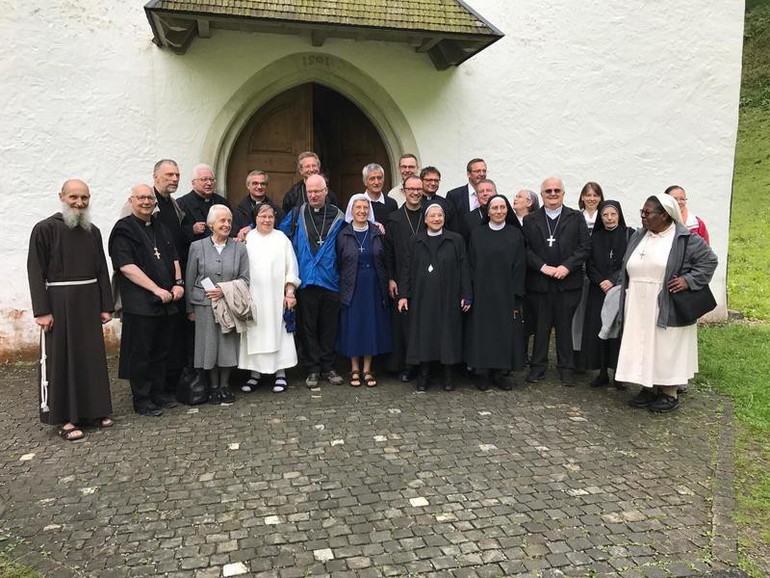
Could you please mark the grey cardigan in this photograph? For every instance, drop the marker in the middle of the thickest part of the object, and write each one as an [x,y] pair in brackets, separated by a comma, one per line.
[698,269]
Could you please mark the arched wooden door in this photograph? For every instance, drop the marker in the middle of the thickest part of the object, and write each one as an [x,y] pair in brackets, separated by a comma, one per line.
[307,117]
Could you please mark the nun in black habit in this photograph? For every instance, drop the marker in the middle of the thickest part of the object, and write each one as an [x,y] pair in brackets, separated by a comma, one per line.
[436,290]
[494,337]
[608,245]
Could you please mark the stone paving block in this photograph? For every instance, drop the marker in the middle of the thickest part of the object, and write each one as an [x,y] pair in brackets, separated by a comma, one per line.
[460,485]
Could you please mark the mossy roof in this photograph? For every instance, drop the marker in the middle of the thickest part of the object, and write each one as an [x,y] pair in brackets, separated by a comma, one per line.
[446,16]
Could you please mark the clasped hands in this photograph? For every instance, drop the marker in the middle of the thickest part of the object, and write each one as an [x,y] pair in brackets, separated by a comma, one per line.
[559,272]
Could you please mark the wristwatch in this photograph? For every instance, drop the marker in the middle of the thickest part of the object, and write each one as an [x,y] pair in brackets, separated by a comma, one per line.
[179,282]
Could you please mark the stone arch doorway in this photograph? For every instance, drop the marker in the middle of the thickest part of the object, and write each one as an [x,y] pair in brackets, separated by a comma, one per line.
[314,117]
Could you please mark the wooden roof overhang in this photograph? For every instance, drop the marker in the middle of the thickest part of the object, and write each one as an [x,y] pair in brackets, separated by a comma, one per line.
[448,31]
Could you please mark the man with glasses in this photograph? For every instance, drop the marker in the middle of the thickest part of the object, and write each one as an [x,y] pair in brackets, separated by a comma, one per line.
[401,226]
[431,179]
[312,229]
[558,243]
[246,212]
[308,164]
[407,166]
[464,198]
[198,201]
[149,277]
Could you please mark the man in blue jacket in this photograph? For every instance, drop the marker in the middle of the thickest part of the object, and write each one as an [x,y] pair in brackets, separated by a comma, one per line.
[312,228]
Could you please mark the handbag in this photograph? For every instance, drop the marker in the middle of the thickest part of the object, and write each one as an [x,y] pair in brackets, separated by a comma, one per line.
[690,305]
[192,388]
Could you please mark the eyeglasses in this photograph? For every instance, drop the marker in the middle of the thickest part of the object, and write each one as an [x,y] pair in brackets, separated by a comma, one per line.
[646,212]
[258,184]
[552,191]
[413,189]
[432,180]
[316,191]
[145,199]
[206,179]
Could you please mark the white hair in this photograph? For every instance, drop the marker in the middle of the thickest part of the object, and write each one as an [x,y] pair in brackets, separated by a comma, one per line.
[372,168]
[214,210]
[201,167]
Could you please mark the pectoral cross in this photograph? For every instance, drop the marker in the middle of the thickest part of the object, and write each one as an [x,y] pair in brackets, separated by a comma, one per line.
[319,242]
[157,253]
[551,240]
[360,249]
[611,253]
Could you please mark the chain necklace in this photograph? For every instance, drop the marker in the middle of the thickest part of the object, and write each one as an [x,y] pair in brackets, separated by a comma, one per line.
[363,241]
[409,220]
[320,234]
[150,230]
[551,239]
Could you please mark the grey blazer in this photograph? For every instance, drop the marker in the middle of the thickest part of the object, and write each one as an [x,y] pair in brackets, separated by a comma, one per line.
[204,261]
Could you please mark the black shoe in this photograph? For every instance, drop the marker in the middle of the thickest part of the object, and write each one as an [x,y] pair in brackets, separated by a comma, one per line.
[482,387]
[568,378]
[644,398]
[406,376]
[664,404]
[449,387]
[227,395]
[164,401]
[422,382]
[149,409]
[682,388]
[535,376]
[215,396]
[601,380]
[619,385]
[504,385]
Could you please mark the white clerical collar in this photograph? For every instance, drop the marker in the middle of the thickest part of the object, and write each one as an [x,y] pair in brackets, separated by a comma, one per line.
[434,233]
[380,200]
[496,226]
[553,213]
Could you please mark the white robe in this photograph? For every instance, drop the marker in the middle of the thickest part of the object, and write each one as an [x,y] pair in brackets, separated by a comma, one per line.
[651,355]
[266,346]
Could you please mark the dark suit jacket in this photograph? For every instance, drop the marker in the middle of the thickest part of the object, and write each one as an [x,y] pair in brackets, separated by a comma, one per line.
[574,244]
[459,199]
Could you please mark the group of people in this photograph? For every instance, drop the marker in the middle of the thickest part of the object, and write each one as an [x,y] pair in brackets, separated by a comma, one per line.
[412,281]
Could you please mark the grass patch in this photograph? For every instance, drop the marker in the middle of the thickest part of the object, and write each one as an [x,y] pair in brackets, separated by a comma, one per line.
[748,281]
[10,569]
[735,361]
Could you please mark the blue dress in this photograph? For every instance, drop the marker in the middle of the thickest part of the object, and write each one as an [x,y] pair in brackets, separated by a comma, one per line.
[365,324]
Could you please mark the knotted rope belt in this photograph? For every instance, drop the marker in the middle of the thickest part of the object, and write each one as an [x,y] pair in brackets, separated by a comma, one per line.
[43,357]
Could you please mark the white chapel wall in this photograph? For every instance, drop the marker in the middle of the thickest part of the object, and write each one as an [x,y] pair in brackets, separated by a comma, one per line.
[634,95]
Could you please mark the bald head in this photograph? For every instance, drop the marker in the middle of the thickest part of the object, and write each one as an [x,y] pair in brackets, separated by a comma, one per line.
[142,201]
[315,187]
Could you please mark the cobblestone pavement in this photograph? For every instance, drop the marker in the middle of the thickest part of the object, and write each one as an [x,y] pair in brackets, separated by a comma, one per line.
[542,481]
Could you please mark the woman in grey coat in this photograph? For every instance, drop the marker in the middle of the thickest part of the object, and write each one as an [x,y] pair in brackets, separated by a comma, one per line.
[658,350]
[211,261]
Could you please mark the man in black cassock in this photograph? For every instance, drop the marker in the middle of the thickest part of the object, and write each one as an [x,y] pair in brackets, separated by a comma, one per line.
[431,180]
[558,243]
[245,214]
[71,299]
[149,276]
[308,164]
[401,226]
[196,204]
[165,177]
